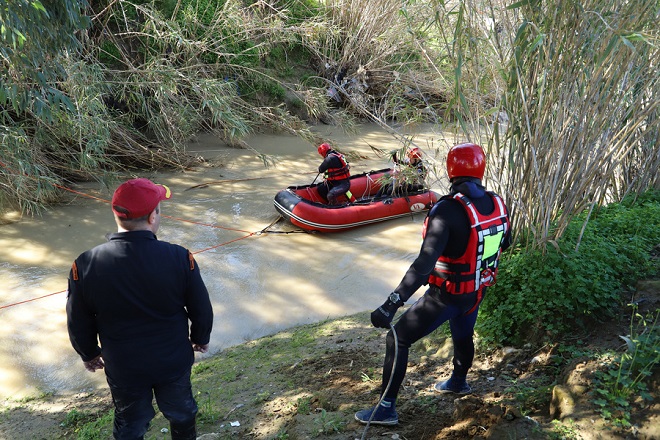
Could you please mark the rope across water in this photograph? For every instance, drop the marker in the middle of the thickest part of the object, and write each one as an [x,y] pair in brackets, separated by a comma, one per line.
[265,230]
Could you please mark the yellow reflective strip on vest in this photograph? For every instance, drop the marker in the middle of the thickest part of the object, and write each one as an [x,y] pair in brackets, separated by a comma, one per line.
[492,244]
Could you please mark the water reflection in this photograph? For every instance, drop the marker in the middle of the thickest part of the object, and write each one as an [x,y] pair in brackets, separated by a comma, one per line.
[259,285]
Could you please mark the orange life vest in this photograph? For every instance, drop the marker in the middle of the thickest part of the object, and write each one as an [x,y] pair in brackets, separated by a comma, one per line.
[477,267]
[338,173]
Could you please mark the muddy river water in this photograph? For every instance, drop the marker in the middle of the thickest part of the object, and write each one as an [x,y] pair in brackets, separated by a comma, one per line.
[259,284]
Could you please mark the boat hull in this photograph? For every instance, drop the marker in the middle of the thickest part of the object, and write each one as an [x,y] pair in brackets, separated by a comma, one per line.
[303,207]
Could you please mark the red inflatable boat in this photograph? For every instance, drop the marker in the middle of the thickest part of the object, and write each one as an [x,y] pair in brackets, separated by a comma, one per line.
[303,207]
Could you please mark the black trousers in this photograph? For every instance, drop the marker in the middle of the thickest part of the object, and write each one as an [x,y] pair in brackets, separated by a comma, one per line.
[427,314]
[134,408]
[330,190]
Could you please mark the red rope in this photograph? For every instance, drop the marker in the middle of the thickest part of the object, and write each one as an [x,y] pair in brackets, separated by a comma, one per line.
[225,243]
[28,300]
[206,224]
[250,234]
[89,196]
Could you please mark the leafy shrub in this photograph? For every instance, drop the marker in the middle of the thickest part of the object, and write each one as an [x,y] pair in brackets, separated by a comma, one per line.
[544,295]
[626,380]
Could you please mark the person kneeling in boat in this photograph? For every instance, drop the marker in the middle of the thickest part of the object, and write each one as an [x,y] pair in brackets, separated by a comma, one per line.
[409,175]
[337,176]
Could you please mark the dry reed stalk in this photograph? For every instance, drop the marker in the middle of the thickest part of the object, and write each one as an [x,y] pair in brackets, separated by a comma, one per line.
[571,118]
[179,93]
[582,102]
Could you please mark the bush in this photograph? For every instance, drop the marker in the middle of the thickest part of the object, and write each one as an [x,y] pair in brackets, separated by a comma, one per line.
[626,381]
[580,282]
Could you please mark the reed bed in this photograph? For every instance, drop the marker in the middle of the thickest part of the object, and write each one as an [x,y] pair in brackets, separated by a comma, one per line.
[563,96]
[583,104]
[368,58]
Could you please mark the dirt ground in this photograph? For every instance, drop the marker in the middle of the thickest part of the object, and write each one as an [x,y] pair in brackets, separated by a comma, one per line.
[517,394]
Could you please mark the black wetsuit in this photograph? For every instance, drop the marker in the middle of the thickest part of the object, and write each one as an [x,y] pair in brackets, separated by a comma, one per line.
[447,233]
[330,189]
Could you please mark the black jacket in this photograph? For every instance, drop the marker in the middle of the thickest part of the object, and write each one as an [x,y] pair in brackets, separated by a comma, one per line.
[137,294]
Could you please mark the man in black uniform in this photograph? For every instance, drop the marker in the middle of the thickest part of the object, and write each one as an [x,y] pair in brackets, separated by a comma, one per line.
[137,294]
[337,176]
[464,235]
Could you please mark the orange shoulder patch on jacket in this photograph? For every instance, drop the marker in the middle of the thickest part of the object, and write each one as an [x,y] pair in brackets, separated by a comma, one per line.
[74,271]
[192,260]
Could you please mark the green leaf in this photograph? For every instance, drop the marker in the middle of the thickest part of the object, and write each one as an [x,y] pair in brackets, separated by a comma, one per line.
[627,42]
[21,38]
[36,4]
[631,345]
[646,396]
[636,37]
[621,402]
[538,41]
[519,4]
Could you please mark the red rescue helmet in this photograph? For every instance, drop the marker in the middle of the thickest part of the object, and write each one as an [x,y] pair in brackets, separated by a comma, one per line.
[323,149]
[414,153]
[466,160]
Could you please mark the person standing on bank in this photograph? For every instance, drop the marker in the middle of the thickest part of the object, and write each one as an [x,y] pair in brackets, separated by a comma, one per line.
[129,304]
[463,237]
[337,176]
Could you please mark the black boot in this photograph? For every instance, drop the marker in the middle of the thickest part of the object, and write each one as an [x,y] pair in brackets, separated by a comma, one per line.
[183,431]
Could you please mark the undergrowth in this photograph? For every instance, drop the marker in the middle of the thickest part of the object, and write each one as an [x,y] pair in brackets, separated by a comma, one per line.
[625,380]
[584,280]
[580,281]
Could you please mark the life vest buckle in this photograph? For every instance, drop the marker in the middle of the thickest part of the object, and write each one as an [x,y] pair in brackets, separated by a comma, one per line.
[487,277]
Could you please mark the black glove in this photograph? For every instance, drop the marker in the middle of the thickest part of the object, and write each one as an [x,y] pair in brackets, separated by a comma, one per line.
[382,316]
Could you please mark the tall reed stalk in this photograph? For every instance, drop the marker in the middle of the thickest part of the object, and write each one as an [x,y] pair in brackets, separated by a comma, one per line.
[571,121]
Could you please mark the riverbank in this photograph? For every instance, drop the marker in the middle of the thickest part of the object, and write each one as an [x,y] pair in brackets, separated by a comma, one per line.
[308,381]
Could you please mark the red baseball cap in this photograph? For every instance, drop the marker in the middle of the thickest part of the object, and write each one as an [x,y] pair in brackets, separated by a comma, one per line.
[136,198]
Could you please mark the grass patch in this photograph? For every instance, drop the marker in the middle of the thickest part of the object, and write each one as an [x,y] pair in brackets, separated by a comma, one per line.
[89,426]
